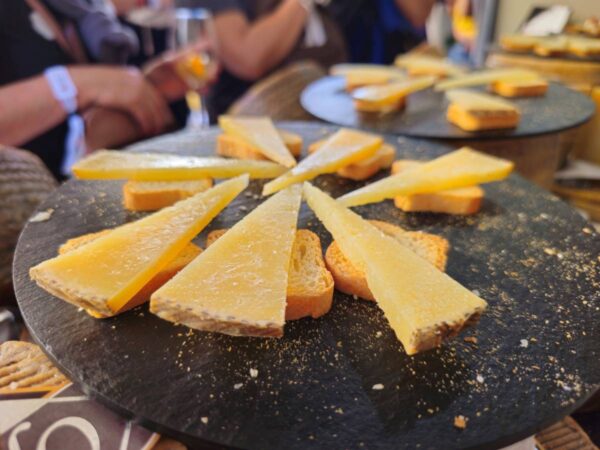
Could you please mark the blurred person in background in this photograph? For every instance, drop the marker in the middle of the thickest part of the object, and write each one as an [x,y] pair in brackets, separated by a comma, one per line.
[61,71]
[256,37]
[378,30]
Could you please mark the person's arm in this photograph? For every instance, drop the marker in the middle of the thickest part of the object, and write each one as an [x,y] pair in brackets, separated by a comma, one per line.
[249,50]
[416,11]
[28,108]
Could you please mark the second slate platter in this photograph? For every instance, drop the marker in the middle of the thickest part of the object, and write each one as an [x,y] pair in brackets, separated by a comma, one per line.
[425,114]
[344,381]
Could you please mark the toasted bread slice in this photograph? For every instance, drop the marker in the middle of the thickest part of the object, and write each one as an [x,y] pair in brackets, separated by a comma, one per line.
[351,280]
[153,195]
[382,159]
[518,42]
[182,260]
[462,201]
[367,107]
[551,46]
[523,88]
[310,285]
[234,147]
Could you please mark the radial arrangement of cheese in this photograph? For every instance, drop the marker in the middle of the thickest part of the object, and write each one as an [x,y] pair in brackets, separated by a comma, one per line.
[422,305]
[342,148]
[486,77]
[390,96]
[105,274]
[261,134]
[113,164]
[238,285]
[460,168]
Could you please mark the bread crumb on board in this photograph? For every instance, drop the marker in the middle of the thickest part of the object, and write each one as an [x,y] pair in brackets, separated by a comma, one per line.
[460,422]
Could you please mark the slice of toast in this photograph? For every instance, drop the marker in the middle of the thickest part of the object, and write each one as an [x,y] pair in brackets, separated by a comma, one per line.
[153,195]
[382,159]
[521,88]
[168,272]
[235,147]
[310,285]
[462,201]
[372,108]
[351,280]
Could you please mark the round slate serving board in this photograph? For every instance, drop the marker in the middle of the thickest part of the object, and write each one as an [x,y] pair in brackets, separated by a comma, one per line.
[536,358]
[425,114]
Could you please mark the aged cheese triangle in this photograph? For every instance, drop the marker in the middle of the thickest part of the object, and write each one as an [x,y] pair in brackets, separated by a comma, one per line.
[106,273]
[113,164]
[428,65]
[460,168]
[392,92]
[238,286]
[260,133]
[340,149]
[486,77]
[479,101]
[422,304]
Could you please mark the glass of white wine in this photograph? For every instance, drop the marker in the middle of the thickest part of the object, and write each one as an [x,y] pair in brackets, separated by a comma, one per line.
[194,27]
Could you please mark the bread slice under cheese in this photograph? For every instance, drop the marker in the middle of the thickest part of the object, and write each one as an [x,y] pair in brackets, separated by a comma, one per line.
[168,272]
[520,88]
[351,280]
[518,42]
[389,97]
[235,147]
[475,111]
[310,284]
[462,201]
[551,46]
[361,170]
[153,195]
[584,47]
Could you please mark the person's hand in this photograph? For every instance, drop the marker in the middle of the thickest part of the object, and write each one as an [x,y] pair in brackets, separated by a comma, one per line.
[124,89]
[164,74]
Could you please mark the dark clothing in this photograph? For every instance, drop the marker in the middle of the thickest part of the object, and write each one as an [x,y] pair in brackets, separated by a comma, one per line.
[229,87]
[375,30]
[25,53]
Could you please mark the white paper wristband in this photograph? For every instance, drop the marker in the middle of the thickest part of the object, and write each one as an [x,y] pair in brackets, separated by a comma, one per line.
[62,87]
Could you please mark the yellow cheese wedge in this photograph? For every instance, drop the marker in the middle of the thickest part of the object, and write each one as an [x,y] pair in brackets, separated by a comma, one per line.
[551,46]
[106,273]
[428,65]
[113,164]
[261,134]
[518,42]
[393,92]
[460,168]
[238,285]
[422,304]
[486,77]
[181,260]
[342,148]
[479,101]
[153,195]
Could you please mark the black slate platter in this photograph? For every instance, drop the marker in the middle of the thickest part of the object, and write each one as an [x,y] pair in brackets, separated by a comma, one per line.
[536,358]
[425,114]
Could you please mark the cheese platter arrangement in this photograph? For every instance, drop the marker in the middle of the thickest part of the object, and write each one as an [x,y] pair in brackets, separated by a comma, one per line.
[377,292]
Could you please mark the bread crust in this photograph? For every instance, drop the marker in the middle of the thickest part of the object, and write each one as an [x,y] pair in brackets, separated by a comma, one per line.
[512,90]
[166,193]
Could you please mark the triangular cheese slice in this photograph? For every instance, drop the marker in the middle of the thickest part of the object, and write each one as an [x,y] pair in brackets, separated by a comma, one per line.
[238,286]
[106,273]
[428,65]
[365,69]
[422,304]
[261,134]
[479,101]
[114,164]
[460,168]
[340,149]
[391,93]
[486,77]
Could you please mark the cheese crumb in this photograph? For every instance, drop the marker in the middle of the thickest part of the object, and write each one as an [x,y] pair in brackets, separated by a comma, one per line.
[480,379]
[524,343]
[42,216]
[204,420]
[237,386]
[460,422]
[378,334]
[377,387]
[253,373]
